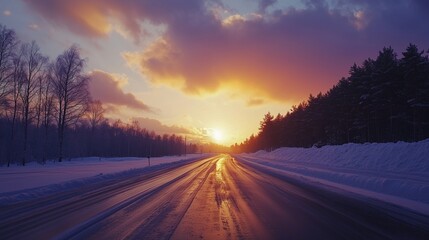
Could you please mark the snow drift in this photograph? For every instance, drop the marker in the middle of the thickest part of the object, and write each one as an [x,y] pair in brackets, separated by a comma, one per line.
[386,170]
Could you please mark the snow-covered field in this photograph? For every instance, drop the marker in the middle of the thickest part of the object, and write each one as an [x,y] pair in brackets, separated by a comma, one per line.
[18,182]
[393,172]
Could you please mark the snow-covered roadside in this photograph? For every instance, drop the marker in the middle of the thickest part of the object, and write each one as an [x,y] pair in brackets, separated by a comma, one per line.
[393,172]
[20,183]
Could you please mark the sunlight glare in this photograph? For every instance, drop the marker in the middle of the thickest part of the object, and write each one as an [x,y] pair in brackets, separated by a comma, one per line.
[217,135]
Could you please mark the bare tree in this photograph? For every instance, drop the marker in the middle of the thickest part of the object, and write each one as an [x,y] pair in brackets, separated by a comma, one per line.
[70,86]
[47,105]
[8,43]
[34,62]
[95,117]
[95,114]
[40,92]
[16,82]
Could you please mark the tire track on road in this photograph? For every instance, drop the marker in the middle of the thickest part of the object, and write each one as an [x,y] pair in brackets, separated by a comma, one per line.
[151,217]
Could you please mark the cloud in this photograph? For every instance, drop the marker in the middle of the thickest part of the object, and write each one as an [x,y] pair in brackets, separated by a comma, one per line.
[264,4]
[200,135]
[203,135]
[106,87]
[281,54]
[33,26]
[96,18]
[158,127]
[7,13]
[265,58]
[83,17]
[255,102]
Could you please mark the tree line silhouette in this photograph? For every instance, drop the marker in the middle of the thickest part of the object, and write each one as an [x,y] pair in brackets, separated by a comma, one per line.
[46,111]
[382,100]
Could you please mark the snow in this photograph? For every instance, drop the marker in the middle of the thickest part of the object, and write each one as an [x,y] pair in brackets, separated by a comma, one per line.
[393,172]
[35,180]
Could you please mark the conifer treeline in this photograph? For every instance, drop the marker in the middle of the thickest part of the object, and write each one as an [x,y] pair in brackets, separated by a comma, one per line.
[382,100]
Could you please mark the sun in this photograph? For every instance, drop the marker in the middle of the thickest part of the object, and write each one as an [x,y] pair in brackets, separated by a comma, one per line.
[217,135]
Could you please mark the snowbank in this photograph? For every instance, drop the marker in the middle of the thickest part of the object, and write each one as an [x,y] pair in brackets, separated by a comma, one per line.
[382,170]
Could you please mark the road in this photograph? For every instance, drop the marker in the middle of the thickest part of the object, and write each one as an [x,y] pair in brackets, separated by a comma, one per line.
[213,198]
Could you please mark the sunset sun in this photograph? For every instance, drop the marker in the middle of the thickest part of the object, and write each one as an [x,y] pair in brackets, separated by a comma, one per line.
[217,135]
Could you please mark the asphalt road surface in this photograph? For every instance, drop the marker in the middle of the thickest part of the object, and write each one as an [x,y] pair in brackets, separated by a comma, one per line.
[213,198]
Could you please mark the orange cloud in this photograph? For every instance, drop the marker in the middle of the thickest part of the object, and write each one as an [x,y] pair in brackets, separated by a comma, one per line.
[96,18]
[158,127]
[84,17]
[255,102]
[106,87]
[244,56]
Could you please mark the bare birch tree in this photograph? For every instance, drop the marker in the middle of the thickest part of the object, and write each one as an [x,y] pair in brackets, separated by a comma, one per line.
[14,99]
[8,43]
[95,117]
[34,62]
[95,114]
[47,106]
[70,86]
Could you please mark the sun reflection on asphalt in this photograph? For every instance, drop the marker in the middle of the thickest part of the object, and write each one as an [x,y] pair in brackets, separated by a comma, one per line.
[220,164]
[221,187]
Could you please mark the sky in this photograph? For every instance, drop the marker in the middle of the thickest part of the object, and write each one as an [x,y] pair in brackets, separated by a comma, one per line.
[211,69]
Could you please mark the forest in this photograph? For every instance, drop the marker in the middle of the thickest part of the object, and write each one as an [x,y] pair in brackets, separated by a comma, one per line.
[47,113]
[382,100]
